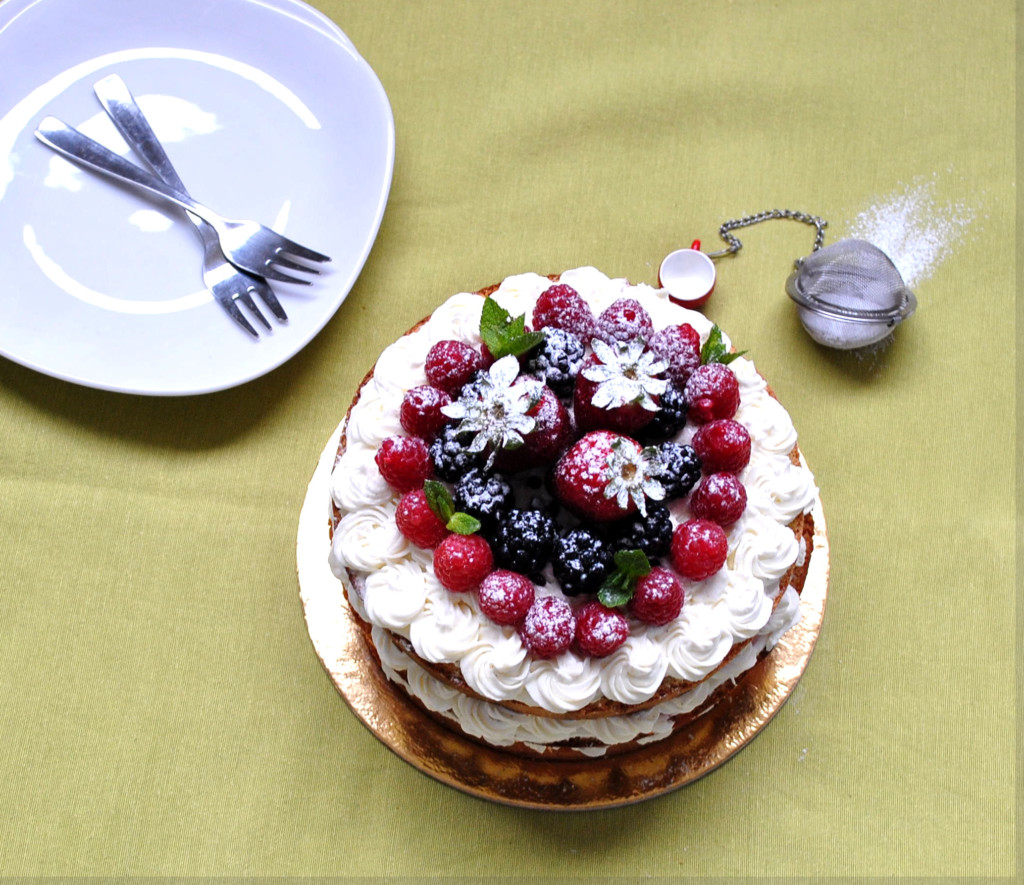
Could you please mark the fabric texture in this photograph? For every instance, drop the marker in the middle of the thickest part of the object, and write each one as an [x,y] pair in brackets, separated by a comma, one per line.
[162,711]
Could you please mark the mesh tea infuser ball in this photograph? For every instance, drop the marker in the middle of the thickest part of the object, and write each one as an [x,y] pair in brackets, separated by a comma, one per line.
[849,295]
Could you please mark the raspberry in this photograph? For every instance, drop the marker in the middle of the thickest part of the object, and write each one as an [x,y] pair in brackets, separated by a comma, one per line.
[505,597]
[523,542]
[421,414]
[581,561]
[658,597]
[482,495]
[418,522]
[541,446]
[679,346]
[549,627]
[452,458]
[670,418]
[558,360]
[404,462]
[581,481]
[461,562]
[600,630]
[561,307]
[720,498]
[723,446]
[630,418]
[680,469]
[712,392]
[450,364]
[699,549]
[624,320]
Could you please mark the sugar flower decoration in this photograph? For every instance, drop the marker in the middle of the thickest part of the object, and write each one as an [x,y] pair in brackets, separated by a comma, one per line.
[626,374]
[494,408]
[631,474]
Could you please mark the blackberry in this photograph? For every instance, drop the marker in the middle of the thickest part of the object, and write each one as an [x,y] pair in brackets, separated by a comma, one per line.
[651,533]
[670,418]
[450,455]
[557,361]
[681,469]
[482,495]
[472,388]
[522,541]
[581,561]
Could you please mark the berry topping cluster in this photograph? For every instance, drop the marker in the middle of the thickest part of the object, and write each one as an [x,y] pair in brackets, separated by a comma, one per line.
[551,456]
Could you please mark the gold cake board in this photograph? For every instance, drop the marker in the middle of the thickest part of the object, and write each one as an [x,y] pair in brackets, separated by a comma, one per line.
[491,774]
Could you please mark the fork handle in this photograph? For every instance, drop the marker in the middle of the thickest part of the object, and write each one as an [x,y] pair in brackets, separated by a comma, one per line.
[122,108]
[71,143]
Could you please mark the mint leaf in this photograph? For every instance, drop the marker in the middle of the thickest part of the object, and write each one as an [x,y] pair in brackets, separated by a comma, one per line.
[493,321]
[633,563]
[727,358]
[619,586]
[713,348]
[463,524]
[715,351]
[439,499]
[503,334]
[528,342]
[614,596]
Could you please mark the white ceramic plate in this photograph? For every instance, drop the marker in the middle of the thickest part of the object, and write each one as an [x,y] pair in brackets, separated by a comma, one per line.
[267,111]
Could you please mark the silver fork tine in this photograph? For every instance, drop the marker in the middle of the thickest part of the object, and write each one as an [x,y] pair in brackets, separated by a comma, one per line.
[281,261]
[237,316]
[304,251]
[269,298]
[246,299]
[268,273]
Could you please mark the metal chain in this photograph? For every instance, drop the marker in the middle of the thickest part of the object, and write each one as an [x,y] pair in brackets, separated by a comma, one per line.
[735,245]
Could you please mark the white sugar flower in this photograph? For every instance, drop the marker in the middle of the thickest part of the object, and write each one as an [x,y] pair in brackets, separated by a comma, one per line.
[494,407]
[632,473]
[626,374]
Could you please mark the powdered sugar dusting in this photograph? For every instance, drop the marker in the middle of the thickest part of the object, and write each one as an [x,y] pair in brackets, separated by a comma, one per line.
[915,227]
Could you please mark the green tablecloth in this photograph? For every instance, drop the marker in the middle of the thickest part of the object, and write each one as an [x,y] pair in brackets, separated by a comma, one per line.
[162,711]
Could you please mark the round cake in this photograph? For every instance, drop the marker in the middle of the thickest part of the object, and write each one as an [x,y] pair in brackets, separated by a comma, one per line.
[568,515]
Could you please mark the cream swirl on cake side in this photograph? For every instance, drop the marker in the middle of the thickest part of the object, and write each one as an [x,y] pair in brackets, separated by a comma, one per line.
[500,727]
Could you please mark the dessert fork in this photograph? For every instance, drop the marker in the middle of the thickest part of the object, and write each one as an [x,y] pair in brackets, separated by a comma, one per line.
[246,244]
[226,283]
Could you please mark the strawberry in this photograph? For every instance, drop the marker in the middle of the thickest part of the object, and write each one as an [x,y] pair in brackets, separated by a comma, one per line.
[627,418]
[541,446]
[618,387]
[606,476]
